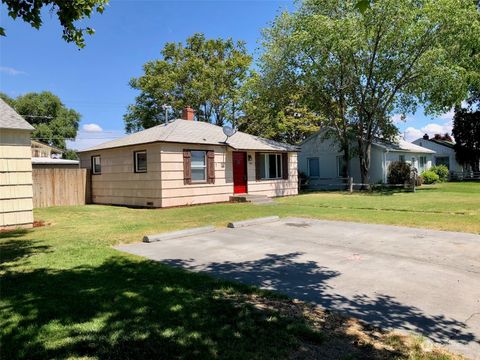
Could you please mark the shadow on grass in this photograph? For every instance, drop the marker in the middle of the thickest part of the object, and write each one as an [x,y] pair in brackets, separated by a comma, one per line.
[126,309]
[13,248]
[308,281]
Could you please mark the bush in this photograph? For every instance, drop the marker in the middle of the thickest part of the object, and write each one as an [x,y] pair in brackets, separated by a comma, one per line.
[419,181]
[398,172]
[441,171]
[430,177]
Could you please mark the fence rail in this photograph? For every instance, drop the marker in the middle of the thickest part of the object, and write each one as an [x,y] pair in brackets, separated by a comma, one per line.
[60,187]
[465,175]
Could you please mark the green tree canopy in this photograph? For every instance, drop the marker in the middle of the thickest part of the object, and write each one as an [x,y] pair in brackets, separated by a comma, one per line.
[68,12]
[53,121]
[466,130]
[206,74]
[358,67]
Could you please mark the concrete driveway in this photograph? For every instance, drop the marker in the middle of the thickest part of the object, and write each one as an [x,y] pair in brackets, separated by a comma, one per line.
[393,277]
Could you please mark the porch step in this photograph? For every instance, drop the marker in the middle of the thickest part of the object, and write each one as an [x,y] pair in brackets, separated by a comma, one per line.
[254,199]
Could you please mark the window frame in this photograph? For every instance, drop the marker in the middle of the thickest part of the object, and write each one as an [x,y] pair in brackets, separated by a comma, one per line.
[278,160]
[308,167]
[205,175]
[135,161]
[92,159]
[339,174]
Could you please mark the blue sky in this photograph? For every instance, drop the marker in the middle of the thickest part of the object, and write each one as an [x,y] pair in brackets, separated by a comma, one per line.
[94,80]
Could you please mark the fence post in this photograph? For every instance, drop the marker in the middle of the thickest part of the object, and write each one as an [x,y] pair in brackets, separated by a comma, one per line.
[350,184]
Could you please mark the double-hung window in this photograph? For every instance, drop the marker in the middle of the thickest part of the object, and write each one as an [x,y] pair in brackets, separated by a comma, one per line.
[96,165]
[199,166]
[313,167]
[140,161]
[271,166]
[341,167]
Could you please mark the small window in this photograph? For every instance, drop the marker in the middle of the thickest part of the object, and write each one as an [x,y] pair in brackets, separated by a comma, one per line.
[443,160]
[401,158]
[270,166]
[313,167]
[422,163]
[140,161]
[199,166]
[96,165]
[341,167]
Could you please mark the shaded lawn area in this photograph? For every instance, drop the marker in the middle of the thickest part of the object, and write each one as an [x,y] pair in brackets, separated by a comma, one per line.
[65,293]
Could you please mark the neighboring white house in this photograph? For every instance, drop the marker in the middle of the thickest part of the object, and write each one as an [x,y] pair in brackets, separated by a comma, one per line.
[188,162]
[321,159]
[15,170]
[444,152]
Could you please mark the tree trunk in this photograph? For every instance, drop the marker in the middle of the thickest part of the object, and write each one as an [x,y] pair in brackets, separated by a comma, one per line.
[364,156]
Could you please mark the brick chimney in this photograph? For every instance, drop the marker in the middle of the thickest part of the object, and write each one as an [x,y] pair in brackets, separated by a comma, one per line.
[188,113]
[425,137]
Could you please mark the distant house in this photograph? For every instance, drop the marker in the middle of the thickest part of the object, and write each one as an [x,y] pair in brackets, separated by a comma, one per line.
[188,162]
[15,170]
[444,152]
[322,160]
[45,156]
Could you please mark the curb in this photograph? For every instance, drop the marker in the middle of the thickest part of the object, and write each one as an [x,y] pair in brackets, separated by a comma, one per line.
[264,220]
[178,234]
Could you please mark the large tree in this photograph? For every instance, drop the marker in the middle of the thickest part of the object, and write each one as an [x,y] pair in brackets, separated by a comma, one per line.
[54,123]
[466,131]
[358,67]
[68,13]
[206,74]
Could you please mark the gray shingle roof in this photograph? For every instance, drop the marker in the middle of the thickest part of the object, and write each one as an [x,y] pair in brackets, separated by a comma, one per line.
[9,119]
[194,132]
[402,145]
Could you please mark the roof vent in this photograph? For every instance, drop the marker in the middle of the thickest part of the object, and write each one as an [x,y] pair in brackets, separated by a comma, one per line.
[425,137]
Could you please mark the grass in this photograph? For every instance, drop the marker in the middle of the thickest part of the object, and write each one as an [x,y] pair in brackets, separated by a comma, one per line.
[65,293]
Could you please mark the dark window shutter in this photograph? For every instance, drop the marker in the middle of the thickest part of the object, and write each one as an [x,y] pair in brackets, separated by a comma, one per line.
[285,165]
[187,167]
[210,167]
[257,166]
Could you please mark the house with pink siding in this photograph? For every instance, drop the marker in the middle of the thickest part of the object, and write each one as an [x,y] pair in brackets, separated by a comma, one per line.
[187,162]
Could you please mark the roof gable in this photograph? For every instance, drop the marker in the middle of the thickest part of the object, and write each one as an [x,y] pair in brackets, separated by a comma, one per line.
[9,119]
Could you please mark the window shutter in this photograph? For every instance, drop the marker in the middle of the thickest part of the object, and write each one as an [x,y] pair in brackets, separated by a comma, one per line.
[210,167]
[285,165]
[257,166]
[187,167]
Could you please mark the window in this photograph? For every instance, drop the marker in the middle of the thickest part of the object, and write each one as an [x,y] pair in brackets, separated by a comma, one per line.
[140,161]
[198,165]
[270,166]
[401,158]
[422,162]
[313,167]
[96,165]
[443,160]
[341,167]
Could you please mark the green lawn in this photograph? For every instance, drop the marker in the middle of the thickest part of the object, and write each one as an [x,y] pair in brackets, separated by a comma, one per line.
[65,293]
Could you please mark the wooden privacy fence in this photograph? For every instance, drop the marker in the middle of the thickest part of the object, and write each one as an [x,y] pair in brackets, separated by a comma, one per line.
[59,187]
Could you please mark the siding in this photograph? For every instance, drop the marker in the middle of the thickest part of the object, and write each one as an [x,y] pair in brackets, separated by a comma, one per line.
[15,179]
[440,151]
[163,184]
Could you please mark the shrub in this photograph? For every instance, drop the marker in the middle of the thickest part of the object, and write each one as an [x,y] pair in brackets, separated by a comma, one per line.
[441,171]
[398,172]
[430,177]
[419,181]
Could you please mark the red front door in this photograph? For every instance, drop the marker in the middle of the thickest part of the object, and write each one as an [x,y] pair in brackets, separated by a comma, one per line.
[239,172]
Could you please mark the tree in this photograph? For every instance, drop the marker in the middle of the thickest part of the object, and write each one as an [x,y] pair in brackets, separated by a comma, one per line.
[68,12]
[53,121]
[466,131]
[359,67]
[206,74]
[276,111]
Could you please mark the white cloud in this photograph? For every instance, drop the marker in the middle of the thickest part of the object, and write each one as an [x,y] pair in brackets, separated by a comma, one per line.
[431,129]
[92,128]
[11,71]
[448,115]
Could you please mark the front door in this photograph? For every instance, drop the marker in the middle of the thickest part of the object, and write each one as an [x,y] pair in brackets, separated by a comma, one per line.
[239,172]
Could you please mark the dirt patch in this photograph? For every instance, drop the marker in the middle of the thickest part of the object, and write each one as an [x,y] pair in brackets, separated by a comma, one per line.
[347,338]
[39,223]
